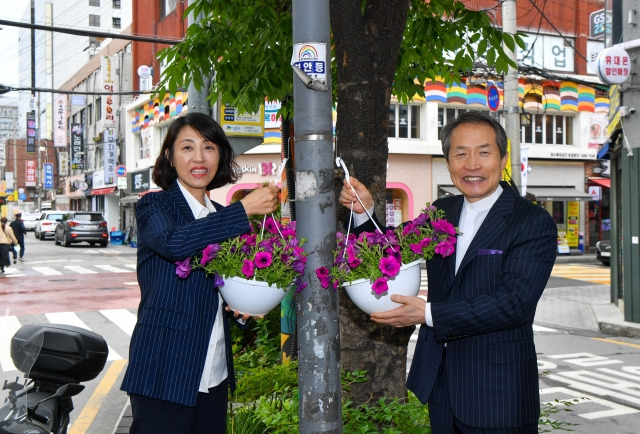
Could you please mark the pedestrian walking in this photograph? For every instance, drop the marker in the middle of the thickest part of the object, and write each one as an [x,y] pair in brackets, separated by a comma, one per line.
[19,232]
[7,239]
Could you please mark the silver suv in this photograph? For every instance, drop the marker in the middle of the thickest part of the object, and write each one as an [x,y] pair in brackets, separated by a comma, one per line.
[46,225]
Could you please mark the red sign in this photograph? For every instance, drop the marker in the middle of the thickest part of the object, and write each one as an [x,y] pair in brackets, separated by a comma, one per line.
[30,173]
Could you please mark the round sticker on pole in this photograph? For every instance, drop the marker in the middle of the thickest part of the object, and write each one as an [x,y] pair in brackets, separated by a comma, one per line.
[493,98]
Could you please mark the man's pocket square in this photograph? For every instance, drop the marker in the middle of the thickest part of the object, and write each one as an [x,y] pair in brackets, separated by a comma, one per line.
[489,252]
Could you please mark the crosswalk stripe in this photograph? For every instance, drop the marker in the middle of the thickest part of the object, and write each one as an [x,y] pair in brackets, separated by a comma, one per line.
[70,318]
[47,271]
[133,266]
[122,318]
[112,269]
[80,269]
[8,326]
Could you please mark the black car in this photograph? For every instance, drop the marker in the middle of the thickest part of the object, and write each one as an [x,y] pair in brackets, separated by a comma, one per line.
[603,251]
[79,226]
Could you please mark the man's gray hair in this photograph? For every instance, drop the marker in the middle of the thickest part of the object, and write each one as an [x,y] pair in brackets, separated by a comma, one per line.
[474,117]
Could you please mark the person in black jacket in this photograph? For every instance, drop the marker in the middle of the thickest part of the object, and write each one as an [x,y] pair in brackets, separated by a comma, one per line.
[19,232]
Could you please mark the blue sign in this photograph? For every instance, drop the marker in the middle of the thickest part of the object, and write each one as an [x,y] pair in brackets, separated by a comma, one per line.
[22,196]
[121,170]
[48,175]
[493,98]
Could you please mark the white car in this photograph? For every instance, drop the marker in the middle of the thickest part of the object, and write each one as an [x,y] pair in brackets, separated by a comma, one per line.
[46,225]
[30,219]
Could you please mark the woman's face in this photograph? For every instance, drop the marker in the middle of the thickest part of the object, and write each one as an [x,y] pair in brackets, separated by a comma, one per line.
[195,160]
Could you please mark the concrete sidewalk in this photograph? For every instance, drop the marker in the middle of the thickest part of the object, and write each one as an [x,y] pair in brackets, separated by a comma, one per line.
[580,306]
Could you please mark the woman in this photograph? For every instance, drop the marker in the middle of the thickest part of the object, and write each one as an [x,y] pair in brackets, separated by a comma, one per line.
[180,365]
[7,241]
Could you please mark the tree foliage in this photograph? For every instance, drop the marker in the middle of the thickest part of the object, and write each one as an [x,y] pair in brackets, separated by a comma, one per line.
[380,48]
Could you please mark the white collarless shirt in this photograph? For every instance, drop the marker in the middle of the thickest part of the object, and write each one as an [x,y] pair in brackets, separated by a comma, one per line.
[215,365]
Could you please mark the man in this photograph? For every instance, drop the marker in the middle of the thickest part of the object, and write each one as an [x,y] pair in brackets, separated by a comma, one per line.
[19,231]
[475,361]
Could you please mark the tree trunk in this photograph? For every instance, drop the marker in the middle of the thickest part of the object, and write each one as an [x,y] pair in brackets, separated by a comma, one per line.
[365,69]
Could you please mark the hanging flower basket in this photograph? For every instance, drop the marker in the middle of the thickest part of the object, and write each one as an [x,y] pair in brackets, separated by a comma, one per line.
[253,297]
[407,282]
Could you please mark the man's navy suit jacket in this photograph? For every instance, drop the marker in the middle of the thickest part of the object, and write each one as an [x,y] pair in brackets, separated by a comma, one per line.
[175,317]
[484,314]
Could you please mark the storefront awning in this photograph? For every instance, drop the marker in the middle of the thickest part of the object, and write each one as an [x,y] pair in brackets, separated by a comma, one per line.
[130,198]
[602,182]
[557,193]
[604,153]
[101,191]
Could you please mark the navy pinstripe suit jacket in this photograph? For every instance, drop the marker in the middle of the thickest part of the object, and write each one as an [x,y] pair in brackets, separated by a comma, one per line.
[485,314]
[175,317]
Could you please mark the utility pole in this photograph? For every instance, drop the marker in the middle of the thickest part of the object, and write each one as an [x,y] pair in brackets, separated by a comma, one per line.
[511,106]
[320,409]
[198,100]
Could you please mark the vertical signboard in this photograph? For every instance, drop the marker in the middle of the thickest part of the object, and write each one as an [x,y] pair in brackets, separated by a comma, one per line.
[573,223]
[109,86]
[31,132]
[47,170]
[63,163]
[77,147]
[109,153]
[60,121]
[30,173]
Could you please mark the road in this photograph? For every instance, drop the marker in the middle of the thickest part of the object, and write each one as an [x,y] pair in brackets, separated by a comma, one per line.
[97,289]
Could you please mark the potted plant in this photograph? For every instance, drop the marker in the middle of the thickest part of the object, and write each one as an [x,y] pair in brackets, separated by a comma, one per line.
[253,271]
[375,265]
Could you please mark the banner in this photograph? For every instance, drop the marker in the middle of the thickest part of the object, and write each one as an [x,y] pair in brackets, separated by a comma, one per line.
[524,169]
[109,153]
[107,67]
[77,147]
[63,163]
[31,132]
[60,121]
[30,173]
[47,170]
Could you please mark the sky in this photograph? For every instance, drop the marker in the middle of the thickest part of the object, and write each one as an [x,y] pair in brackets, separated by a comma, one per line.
[10,10]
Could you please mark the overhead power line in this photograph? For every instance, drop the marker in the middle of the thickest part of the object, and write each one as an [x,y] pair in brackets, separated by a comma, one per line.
[77,32]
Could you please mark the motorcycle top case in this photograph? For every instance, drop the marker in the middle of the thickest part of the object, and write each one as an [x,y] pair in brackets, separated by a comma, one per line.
[58,353]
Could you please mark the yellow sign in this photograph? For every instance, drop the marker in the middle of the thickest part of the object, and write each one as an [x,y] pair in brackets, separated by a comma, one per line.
[573,223]
[506,173]
[563,244]
[238,124]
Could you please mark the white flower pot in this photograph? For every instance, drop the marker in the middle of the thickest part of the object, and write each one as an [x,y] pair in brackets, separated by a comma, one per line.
[407,282]
[250,296]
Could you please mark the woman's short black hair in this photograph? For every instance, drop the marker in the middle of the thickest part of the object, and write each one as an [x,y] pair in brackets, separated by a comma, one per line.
[164,174]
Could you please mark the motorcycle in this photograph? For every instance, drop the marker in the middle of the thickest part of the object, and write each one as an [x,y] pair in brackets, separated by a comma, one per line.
[55,359]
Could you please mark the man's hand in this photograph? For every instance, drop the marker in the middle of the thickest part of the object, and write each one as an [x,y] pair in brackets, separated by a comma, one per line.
[410,313]
[347,196]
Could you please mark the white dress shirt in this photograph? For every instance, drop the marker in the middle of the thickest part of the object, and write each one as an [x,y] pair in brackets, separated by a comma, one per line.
[215,365]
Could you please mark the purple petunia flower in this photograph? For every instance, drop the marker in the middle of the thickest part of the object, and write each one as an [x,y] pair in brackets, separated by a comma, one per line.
[263,259]
[209,253]
[389,266]
[217,280]
[247,268]
[183,268]
[380,286]
[322,274]
[445,248]
[444,226]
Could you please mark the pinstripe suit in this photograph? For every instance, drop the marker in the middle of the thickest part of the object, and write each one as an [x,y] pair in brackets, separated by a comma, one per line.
[175,316]
[484,314]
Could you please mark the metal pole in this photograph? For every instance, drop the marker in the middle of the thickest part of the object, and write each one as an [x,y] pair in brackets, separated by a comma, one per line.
[198,99]
[320,409]
[511,106]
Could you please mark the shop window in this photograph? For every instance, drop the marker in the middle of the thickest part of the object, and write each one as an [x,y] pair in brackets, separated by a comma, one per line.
[404,121]
[558,213]
[446,115]
[396,207]
[547,130]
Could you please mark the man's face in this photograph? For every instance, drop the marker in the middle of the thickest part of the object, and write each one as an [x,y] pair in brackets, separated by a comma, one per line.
[474,162]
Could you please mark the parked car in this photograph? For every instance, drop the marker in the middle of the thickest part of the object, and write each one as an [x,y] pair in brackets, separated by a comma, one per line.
[603,251]
[30,219]
[46,225]
[82,226]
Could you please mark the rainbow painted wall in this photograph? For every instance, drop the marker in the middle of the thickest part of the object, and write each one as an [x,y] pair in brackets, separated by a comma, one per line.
[548,95]
[156,111]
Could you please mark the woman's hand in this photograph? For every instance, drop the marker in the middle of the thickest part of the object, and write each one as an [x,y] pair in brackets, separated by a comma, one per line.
[244,317]
[263,200]
[347,196]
